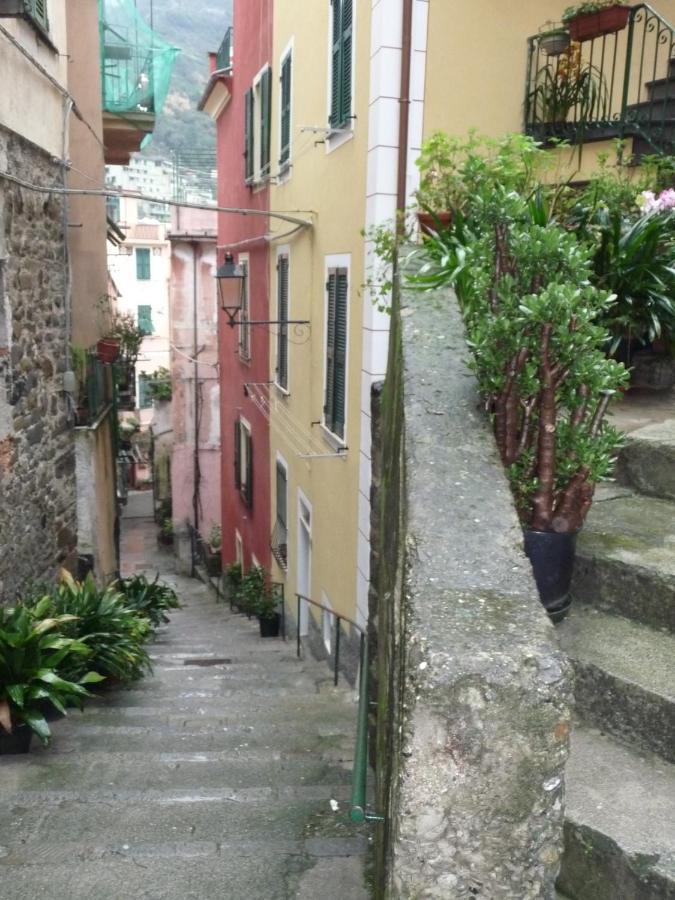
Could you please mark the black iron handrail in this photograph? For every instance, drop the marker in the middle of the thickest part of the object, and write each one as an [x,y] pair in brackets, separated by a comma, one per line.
[339,618]
[224,54]
[617,85]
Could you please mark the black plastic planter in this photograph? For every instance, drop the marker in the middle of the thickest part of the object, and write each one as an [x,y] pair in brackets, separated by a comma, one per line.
[269,627]
[16,742]
[552,558]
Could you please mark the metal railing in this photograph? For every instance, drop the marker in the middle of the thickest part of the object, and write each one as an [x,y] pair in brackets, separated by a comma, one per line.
[620,84]
[224,54]
[358,811]
[279,544]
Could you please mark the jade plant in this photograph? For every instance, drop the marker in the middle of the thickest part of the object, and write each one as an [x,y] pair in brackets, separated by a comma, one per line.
[532,319]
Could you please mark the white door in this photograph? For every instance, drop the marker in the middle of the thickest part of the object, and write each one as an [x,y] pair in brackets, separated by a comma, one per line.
[304,569]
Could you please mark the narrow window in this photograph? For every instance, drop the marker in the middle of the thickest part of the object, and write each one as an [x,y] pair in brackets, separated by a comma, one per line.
[144,398]
[282,315]
[280,536]
[243,462]
[244,317]
[145,319]
[285,125]
[336,351]
[143,263]
[249,148]
[265,121]
[341,63]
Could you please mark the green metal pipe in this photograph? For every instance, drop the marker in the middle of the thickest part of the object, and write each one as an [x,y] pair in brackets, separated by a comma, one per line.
[360,771]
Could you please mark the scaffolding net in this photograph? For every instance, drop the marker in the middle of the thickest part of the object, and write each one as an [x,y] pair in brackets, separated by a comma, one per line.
[136,64]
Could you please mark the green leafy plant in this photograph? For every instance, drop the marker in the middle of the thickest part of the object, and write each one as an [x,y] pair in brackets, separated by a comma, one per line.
[159,384]
[101,620]
[166,528]
[150,599]
[33,655]
[590,6]
[125,330]
[566,85]
[532,320]
[215,538]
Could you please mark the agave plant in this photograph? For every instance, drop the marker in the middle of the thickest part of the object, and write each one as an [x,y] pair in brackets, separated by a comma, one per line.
[101,619]
[151,599]
[33,653]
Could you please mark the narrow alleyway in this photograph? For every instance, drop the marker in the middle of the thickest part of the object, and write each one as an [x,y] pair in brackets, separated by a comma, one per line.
[211,779]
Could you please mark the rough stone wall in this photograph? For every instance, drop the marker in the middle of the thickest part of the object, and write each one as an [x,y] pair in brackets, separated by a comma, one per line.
[37,462]
[472,692]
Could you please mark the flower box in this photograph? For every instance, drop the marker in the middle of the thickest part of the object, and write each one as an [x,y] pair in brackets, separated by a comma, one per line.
[596,24]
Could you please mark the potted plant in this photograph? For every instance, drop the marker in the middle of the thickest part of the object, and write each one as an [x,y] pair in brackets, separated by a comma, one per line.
[441,192]
[250,591]
[232,576]
[554,39]
[108,349]
[150,599]
[595,18]
[211,548]
[32,657]
[532,321]
[165,535]
[569,84]
[269,618]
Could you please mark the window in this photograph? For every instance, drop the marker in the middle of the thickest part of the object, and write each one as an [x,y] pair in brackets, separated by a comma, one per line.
[144,397]
[145,319]
[143,263]
[245,316]
[341,63]
[336,350]
[285,124]
[112,208]
[280,533]
[257,128]
[282,316]
[243,461]
[35,10]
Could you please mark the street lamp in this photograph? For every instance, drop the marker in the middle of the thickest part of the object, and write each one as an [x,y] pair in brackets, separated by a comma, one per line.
[231,278]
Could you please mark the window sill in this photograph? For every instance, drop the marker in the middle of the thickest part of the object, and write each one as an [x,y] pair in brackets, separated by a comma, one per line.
[339,136]
[334,442]
[282,390]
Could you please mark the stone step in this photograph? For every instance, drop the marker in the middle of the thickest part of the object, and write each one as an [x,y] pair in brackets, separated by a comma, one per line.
[625,678]
[647,462]
[661,89]
[620,823]
[626,557]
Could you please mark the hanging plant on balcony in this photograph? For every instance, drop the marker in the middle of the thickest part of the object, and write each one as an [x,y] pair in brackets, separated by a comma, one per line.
[554,39]
[594,19]
[568,85]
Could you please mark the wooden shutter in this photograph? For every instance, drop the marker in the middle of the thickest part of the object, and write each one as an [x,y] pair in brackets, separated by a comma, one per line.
[248,487]
[336,48]
[145,319]
[331,288]
[282,496]
[340,356]
[142,264]
[282,315]
[285,129]
[347,31]
[265,120]
[237,454]
[249,149]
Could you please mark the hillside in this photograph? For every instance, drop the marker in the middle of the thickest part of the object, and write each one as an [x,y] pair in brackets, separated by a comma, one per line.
[196,28]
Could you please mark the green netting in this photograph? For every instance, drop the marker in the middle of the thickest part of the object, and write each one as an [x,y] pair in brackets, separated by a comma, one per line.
[136,64]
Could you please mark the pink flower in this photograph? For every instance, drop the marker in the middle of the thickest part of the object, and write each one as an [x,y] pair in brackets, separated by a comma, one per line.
[667,199]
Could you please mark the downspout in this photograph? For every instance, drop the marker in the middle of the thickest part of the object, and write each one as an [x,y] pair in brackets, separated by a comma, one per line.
[195,368]
[404,114]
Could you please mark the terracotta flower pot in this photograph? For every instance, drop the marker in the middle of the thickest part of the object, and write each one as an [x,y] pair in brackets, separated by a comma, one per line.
[595,24]
[108,350]
[433,222]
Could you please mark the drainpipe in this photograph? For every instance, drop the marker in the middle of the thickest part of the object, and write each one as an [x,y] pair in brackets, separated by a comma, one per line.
[404,112]
[195,364]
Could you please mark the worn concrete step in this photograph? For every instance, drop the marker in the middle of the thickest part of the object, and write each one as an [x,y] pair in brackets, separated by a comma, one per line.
[620,823]
[647,462]
[626,557]
[625,677]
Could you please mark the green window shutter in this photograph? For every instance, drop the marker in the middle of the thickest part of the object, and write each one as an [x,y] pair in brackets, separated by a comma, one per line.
[265,120]
[248,487]
[331,288]
[237,454]
[145,319]
[282,496]
[336,47]
[285,129]
[143,264]
[249,158]
[37,11]
[282,315]
[144,396]
[340,370]
[346,67]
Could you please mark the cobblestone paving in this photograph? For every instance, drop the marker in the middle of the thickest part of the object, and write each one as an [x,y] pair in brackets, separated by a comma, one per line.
[215,778]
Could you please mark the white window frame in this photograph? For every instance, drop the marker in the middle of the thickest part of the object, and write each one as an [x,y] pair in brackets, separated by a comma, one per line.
[244,430]
[285,172]
[336,261]
[239,549]
[282,463]
[244,342]
[258,178]
[306,523]
[337,137]
[284,250]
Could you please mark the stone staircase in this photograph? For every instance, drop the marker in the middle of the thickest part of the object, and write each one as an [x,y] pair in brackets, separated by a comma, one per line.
[620,636]
[225,774]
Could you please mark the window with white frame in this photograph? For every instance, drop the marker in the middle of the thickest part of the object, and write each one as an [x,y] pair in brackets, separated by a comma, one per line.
[257,127]
[281,373]
[243,461]
[245,314]
[285,80]
[342,31]
[280,534]
[335,384]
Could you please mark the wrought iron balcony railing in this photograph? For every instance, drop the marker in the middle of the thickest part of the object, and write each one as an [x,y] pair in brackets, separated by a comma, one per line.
[279,544]
[617,85]
[224,54]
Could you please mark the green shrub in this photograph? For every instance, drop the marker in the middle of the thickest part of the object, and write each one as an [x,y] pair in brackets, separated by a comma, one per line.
[151,599]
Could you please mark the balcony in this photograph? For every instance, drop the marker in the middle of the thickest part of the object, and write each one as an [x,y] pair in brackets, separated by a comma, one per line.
[217,93]
[616,85]
[136,67]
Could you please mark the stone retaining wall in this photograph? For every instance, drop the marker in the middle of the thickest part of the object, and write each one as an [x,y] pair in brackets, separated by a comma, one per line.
[472,693]
[37,461]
